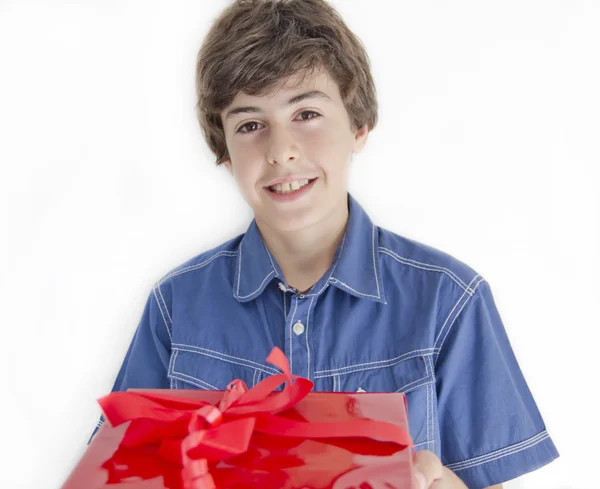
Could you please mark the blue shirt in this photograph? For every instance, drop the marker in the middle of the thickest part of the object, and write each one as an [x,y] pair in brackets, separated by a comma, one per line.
[390,315]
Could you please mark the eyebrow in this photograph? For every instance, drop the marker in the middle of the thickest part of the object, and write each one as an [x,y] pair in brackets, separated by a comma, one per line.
[294,100]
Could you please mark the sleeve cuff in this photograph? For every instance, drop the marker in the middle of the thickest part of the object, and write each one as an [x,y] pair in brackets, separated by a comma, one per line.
[507,463]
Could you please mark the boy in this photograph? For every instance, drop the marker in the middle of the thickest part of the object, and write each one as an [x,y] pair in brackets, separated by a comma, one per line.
[285,98]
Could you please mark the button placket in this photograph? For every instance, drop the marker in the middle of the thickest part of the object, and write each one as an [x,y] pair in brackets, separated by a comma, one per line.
[296,341]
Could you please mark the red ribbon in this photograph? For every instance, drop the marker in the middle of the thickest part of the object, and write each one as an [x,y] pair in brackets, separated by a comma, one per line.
[194,433]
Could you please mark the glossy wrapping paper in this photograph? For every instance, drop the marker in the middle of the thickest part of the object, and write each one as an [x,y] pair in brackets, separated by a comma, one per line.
[249,438]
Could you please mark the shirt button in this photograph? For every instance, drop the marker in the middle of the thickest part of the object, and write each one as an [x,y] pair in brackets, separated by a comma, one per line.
[298,328]
[282,287]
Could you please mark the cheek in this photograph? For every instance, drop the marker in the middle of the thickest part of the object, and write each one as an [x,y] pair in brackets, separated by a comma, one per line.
[327,149]
[246,172]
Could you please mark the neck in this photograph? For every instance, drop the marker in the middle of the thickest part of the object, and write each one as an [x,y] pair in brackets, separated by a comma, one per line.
[304,255]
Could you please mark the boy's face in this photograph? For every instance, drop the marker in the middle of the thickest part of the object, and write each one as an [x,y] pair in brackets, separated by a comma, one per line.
[272,141]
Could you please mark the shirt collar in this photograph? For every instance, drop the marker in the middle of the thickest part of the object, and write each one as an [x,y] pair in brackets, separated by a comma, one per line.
[355,268]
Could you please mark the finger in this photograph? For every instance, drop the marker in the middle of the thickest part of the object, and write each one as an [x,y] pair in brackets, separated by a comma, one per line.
[427,466]
[420,482]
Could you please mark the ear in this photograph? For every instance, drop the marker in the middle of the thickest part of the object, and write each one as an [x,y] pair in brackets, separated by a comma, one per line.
[360,138]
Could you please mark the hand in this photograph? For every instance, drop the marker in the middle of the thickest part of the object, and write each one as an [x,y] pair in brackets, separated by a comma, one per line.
[431,474]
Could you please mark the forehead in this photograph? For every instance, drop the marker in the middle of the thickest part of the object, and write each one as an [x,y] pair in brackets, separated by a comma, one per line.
[297,83]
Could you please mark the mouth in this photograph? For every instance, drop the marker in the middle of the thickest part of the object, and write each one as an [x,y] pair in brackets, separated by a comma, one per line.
[290,187]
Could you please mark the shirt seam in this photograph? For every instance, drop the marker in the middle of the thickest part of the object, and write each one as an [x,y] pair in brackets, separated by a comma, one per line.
[190,379]
[306,338]
[426,266]
[202,264]
[498,454]
[162,313]
[390,362]
[405,388]
[464,304]
[455,306]
[338,281]
[220,356]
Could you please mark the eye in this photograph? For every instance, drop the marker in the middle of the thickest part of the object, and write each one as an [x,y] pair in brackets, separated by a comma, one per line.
[246,128]
[315,115]
[247,125]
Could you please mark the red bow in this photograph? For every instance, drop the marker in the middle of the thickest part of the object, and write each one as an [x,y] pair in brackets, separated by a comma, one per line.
[194,433]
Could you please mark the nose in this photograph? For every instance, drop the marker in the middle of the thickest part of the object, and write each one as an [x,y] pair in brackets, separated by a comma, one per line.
[282,147]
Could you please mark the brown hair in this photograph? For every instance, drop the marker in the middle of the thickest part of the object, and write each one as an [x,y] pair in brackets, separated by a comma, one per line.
[255,44]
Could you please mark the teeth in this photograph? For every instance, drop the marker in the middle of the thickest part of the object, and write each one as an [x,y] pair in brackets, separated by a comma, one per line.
[284,188]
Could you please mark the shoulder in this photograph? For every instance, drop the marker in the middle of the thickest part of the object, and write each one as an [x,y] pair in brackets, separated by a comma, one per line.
[214,262]
[407,258]
[429,281]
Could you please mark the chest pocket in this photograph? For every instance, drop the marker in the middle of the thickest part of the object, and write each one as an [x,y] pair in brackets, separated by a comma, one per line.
[199,368]
[413,376]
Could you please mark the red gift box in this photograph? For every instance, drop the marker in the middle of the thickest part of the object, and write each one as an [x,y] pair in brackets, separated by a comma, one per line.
[243,439]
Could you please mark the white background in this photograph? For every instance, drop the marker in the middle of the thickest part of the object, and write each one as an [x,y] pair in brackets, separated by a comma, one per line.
[487,148]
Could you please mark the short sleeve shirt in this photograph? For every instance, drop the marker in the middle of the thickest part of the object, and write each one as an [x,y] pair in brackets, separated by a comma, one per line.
[390,315]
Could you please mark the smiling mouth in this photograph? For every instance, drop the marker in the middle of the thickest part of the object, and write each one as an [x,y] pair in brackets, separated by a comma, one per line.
[289,187]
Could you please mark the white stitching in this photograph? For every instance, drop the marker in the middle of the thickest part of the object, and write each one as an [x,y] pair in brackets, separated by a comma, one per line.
[273,271]
[429,267]
[162,314]
[306,337]
[432,413]
[374,264]
[254,378]
[219,356]
[417,386]
[284,306]
[270,259]
[190,268]
[414,263]
[353,368]
[452,310]
[497,454]
[164,303]
[239,277]
[338,281]
[503,451]
[257,289]
[422,443]
[194,381]
[170,371]
[174,373]
[176,345]
[428,403]
[454,320]
[290,331]
[171,361]
[405,387]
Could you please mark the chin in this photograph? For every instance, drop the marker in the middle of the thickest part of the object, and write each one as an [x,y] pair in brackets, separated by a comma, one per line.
[291,222]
